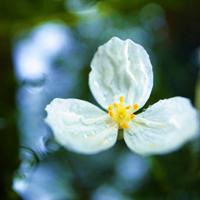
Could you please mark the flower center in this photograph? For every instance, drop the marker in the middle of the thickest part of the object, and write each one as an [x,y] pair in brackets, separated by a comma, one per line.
[122,114]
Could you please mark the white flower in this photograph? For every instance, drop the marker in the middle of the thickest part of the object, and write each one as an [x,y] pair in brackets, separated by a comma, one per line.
[121,80]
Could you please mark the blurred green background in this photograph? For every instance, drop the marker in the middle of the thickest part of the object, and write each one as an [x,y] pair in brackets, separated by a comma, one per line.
[45,51]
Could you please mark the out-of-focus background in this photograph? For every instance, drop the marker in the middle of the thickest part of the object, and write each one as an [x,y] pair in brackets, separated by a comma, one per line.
[45,51]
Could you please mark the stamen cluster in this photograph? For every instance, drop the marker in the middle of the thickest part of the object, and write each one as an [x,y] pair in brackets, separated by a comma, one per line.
[122,114]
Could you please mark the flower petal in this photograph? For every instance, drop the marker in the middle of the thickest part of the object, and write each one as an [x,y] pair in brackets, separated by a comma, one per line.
[121,68]
[81,126]
[163,127]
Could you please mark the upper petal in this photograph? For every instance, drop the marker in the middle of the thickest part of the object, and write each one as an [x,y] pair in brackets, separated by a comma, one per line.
[81,126]
[121,68]
[163,127]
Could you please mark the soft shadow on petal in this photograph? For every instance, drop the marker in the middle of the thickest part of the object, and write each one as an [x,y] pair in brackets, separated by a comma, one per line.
[81,126]
[163,127]
[121,68]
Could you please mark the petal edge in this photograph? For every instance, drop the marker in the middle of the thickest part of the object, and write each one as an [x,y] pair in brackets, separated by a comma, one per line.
[163,127]
[80,126]
[121,68]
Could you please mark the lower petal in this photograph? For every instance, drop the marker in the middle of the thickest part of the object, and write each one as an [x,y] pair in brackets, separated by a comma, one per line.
[81,126]
[163,127]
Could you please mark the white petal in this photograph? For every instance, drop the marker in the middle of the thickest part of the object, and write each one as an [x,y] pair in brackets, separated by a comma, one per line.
[121,68]
[163,127]
[81,126]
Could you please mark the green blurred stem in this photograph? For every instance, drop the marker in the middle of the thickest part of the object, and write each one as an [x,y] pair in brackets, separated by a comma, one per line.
[120,134]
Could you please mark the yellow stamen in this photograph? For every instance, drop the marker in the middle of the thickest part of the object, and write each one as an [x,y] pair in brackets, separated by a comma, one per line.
[128,107]
[122,114]
[132,116]
[115,104]
[135,106]
[125,125]
[121,99]
[110,107]
[110,113]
